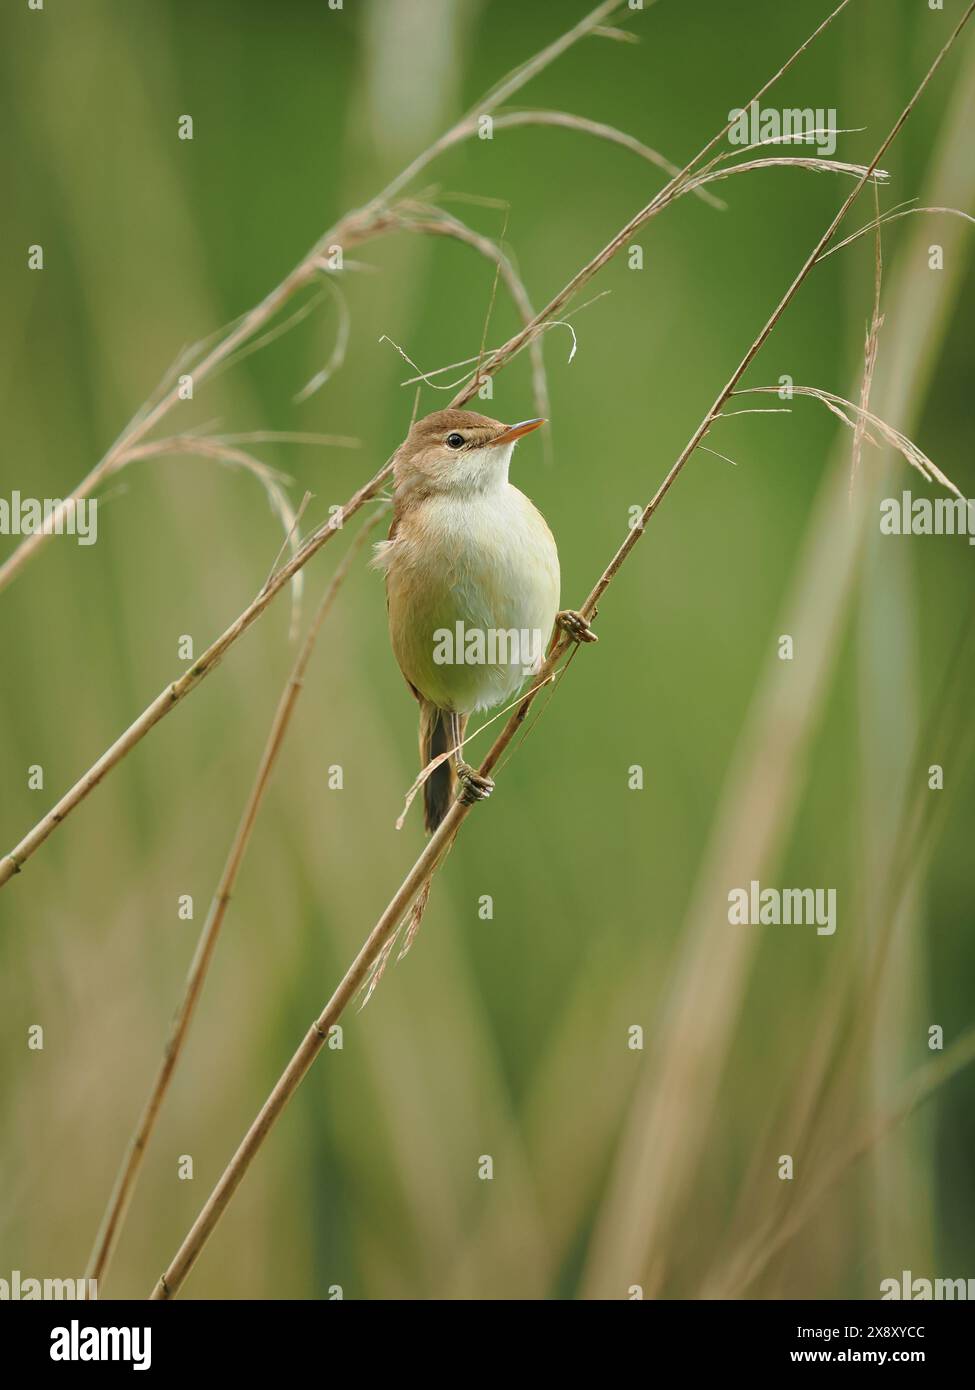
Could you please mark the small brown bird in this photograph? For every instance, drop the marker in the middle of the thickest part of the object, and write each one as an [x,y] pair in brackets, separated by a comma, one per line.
[472,586]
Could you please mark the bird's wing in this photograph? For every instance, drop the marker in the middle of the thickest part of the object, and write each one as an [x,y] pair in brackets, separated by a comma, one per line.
[382,562]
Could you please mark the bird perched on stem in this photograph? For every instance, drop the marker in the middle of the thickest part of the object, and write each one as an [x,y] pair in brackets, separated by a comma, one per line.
[472,586]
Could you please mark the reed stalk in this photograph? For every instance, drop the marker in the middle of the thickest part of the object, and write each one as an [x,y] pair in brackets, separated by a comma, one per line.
[206,945]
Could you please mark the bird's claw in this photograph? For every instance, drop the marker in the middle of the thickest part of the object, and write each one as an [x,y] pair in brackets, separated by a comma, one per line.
[575,625]
[473,787]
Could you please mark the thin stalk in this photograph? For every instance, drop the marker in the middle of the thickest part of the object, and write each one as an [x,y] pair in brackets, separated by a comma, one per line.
[666,195]
[442,224]
[352,229]
[565,120]
[921,1086]
[635,533]
[128,1174]
[174,693]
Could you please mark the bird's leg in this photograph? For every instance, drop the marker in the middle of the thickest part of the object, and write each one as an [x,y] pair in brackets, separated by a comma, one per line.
[575,625]
[473,787]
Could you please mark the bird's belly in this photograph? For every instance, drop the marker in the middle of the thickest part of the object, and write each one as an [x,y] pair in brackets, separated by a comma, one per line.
[473,603]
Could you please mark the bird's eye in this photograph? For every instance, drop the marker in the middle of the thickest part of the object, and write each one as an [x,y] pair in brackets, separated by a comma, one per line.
[455,441]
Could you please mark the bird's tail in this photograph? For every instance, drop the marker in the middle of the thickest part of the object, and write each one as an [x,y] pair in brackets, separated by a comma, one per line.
[439,787]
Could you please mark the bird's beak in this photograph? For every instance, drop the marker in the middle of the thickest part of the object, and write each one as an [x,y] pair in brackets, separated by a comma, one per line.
[514,432]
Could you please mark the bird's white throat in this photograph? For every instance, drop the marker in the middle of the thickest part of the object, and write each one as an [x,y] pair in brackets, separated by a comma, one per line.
[479,471]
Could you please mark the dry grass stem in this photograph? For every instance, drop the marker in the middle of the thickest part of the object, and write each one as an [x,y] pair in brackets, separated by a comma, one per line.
[174,693]
[870,347]
[919,1089]
[350,231]
[846,1021]
[892,216]
[601,131]
[839,407]
[125,1182]
[433,222]
[227,452]
[786,161]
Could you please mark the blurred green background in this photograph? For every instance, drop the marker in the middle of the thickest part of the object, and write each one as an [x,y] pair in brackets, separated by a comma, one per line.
[613,1166]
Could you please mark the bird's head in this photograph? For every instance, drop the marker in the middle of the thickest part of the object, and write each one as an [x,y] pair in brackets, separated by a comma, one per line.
[457,451]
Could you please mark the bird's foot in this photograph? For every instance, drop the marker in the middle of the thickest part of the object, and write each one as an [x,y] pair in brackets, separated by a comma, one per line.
[575,625]
[473,787]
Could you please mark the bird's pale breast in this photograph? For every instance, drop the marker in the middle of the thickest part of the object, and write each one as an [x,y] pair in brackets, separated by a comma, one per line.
[487,562]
